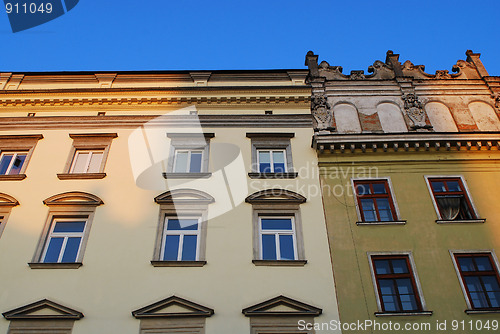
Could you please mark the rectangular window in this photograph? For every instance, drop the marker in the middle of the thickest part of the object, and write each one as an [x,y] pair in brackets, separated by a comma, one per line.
[480,280]
[87,161]
[272,161]
[188,161]
[375,201]
[11,163]
[397,291]
[451,198]
[181,239]
[277,238]
[64,241]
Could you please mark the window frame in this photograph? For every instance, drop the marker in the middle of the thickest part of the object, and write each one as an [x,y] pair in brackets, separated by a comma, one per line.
[277,234]
[271,151]
[87,142]
[181,234]
[89,159]
[271,141]
[466,191]
[15,154]
[188,164]
[7,202]
[415,283]
[496,268]
[392,202]
[189,142]
[18,143]
[66,235]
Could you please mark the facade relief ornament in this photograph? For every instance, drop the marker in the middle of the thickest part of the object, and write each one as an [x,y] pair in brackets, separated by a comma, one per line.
[322,115]
[414,111]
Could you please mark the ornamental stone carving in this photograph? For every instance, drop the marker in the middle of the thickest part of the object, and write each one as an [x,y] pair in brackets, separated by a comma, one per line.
[321,112]
[414,111]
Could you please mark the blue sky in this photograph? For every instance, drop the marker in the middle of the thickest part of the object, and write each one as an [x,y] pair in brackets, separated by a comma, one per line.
[100,35]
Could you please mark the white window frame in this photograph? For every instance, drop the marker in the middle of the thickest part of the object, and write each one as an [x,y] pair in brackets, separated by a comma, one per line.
[466,190]
[360,221]
[66,235]
[496,264]
[190,152]
[415,277]
[15,153]
[181,234]
[89,159]
[277,234]
[271,150]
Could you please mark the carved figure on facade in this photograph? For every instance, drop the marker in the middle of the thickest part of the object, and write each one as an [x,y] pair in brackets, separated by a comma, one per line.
[321,112]
[414,111]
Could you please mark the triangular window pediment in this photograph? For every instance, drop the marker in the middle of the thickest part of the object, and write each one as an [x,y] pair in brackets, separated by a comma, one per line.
[173,307]
[43,309]
[281,306]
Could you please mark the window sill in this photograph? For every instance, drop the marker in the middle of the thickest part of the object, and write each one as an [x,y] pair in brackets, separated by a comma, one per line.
[178,263]
[15,177]
[187,175]
[403,314]
[482,311]
[81,176]
[467,221]
[284,263]
[395,222]
[66,265]
[291,175]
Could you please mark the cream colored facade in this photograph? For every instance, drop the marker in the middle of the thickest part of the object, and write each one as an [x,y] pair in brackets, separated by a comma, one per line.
[136,111]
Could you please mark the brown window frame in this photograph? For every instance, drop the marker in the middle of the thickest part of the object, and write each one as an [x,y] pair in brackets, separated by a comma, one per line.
[410,275]
[387,195]
[493,272]
[463,192]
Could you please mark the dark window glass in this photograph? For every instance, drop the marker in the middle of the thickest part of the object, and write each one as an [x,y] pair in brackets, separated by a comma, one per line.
[451,199]
[375,201]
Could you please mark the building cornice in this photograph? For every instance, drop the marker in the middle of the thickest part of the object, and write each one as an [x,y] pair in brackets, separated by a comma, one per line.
[405,142]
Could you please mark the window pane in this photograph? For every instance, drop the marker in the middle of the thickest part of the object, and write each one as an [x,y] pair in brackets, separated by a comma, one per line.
[268,247]
[276,224]
[171,248]
[81,162]
[490,283]
[453,186]
[189,248]
[404,286]
[363,189]
[182,224]
[382,267]
[466,264]
[438,186]
[69,226]
[368,207]
[4,163]
[379,188]
[399,266]
[71,250]
[18,164]
[195,165]
[181,160]
[95,162]
[264,162]
[384,209]
[286,247]
[483,263]
[279,162]
[389,297]
[53,250]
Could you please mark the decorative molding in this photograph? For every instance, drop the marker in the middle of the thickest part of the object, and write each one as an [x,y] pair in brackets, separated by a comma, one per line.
[296,308]
[256,175]
[54,265]
[161,263]
[322,113]
[184,196]
[414,111]
[73,198]
[7,200]
[176,175]
[14,177]
[194,135]
[280,263]
[25,312]
[154,310]
[467,221]
[266,135]
[80,176]
[21,137]
[403,314]
[275,196]
[92,135]
[380,223]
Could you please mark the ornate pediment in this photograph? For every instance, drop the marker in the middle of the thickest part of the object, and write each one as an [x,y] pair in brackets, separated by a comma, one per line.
[184,196]
[7,200]
[43,310]
[281,306]
[273,196]
[173,307]
[74,198]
